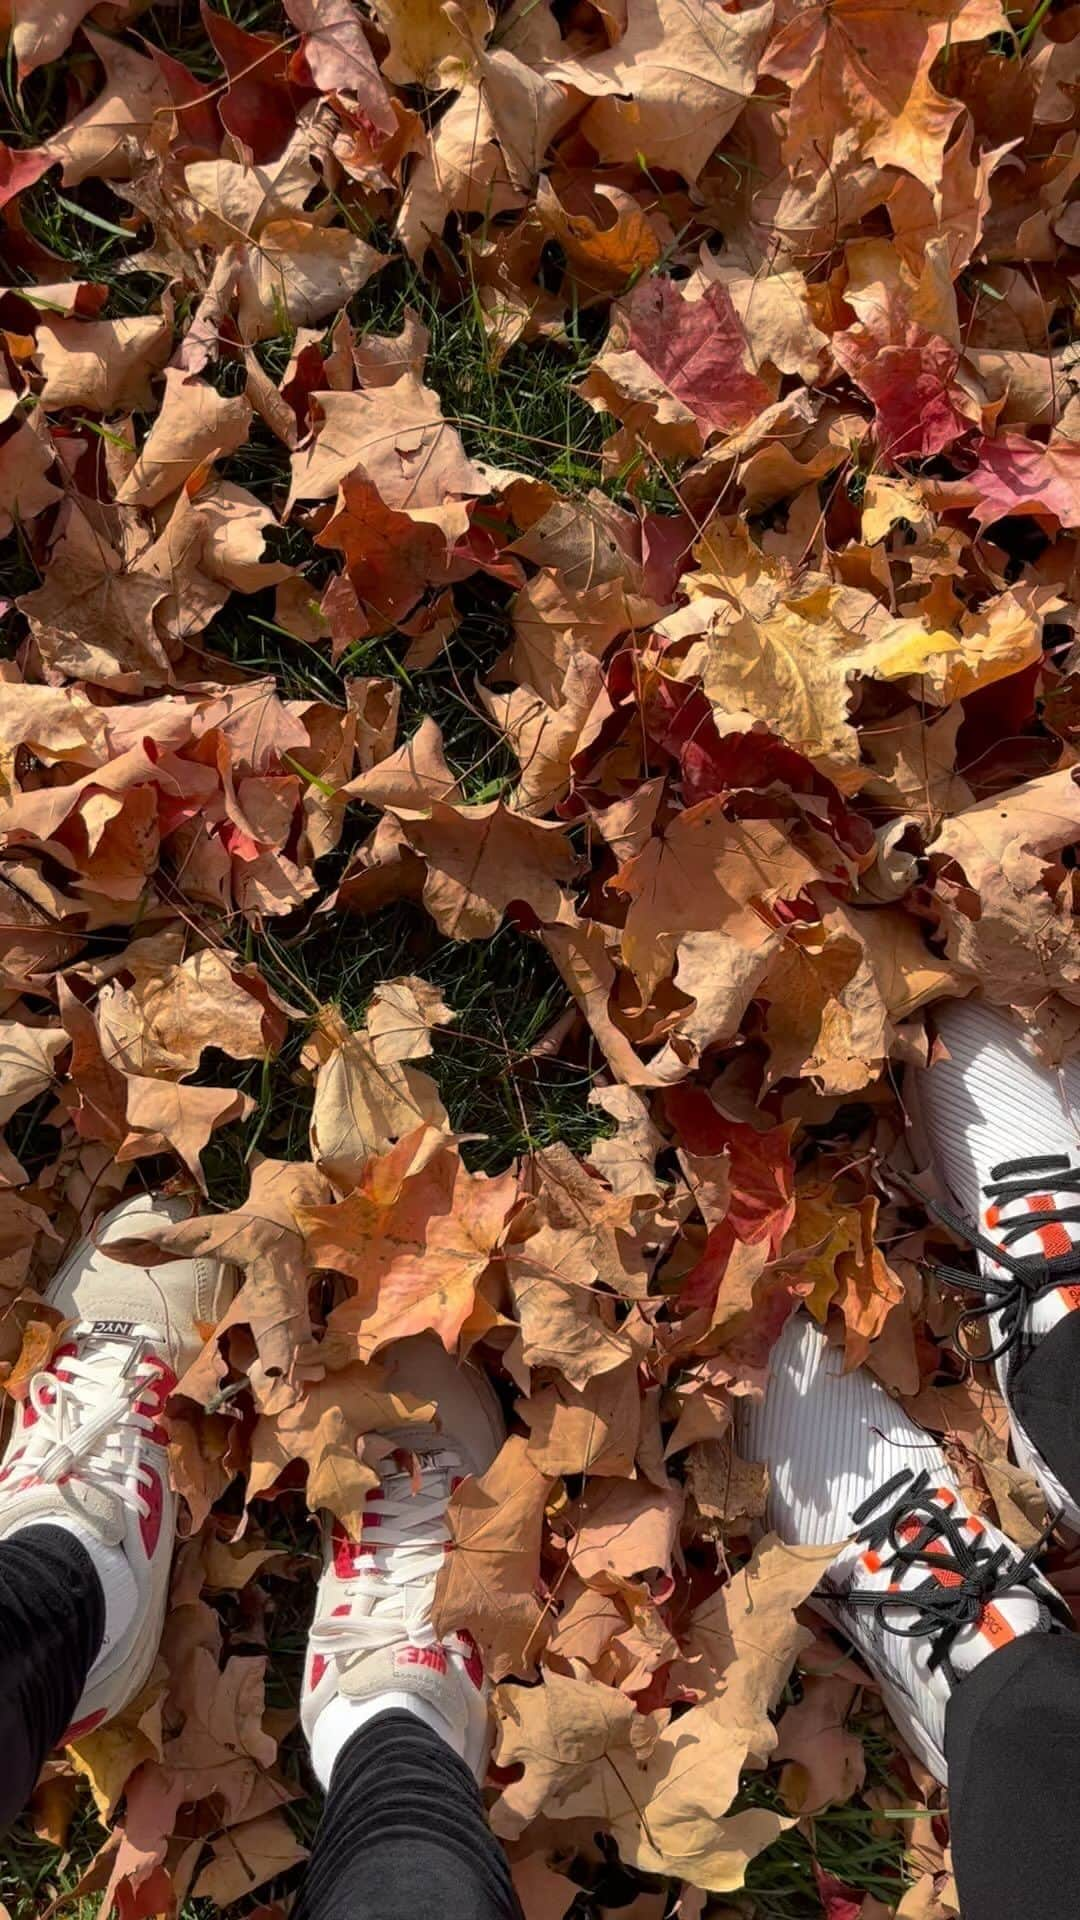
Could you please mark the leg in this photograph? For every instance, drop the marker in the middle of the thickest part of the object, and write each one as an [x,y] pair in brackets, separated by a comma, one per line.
[999,1130]
[1012,1734]
[52,1619]
[397,1718]
[87,1513]
[404,1833]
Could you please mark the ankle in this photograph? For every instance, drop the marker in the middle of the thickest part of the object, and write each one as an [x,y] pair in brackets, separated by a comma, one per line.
[342,1718]
[119,1590]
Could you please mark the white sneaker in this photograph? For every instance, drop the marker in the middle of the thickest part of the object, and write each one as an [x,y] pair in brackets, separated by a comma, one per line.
[372,1633]
[999,1130]
[87,1444]
[924,1589]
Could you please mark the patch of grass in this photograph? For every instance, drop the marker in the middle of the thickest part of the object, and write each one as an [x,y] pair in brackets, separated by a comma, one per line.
[854,1843]
[83,227]
[520,412]
[505,994]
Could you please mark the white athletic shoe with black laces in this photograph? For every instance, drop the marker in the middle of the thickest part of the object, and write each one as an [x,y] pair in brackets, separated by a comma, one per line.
[87,1444]
[372,1633]
[924,1589]
[1000,1130]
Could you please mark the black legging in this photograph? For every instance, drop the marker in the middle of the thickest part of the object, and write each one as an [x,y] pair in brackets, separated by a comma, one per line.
[404,1832]
[52,1619]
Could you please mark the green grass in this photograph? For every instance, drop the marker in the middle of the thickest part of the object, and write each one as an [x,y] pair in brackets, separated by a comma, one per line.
[854,1843]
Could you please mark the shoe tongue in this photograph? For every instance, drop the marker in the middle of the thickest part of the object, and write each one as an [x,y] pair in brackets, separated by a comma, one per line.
[124,1334]
[1011,1614]
[1013,1611]
[102,1513]
[422,1446]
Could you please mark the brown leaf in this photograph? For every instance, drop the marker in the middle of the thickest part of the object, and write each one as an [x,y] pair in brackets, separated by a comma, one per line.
[565,1323]
[559,1733]
[194,426]
[672,84]
[104,364]
[1006,899]
[595,1430]
[163,1115]
[260,1237]
[481,858]
[398,435]
[489,1584]
[825,1763]
[747,1636]
[363,1103]
[426,48]
[102,141]
[246,1857]
[161,1024]
[27,1060]
[416,1235]
[667,1814]
[93,617]
[623,1529]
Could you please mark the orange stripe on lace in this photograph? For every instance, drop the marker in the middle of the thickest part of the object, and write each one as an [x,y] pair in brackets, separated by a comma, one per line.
[1053,1239]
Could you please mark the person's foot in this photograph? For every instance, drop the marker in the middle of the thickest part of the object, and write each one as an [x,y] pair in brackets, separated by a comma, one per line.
[924,1589]
[87,1451]
[999,1130]
[372,1645]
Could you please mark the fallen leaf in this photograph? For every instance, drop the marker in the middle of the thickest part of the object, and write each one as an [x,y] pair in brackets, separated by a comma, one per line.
[489,1584]
[825,1762]
[416,1234]
[559,1733]
[672,84]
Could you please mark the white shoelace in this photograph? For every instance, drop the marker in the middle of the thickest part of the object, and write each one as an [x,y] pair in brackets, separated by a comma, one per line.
[404,1540]
[89,1425]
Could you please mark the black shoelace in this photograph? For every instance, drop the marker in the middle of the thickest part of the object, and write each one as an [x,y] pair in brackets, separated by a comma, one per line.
[941,1611]
[1027,1277]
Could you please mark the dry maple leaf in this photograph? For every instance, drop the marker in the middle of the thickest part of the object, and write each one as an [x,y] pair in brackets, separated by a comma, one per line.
[104,364]
[825,1763]
[410,454]
[261,1238]
[195,425]
[365,1098]
[323,1427]
[676,370]
[559,1733]
[672,83]
[865,66]
[427,47]
[479,859]
[489,1584]
[102,142]
[565,1322]
[417,1235]
[747,1636]
[1006,898]
[668,1814]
